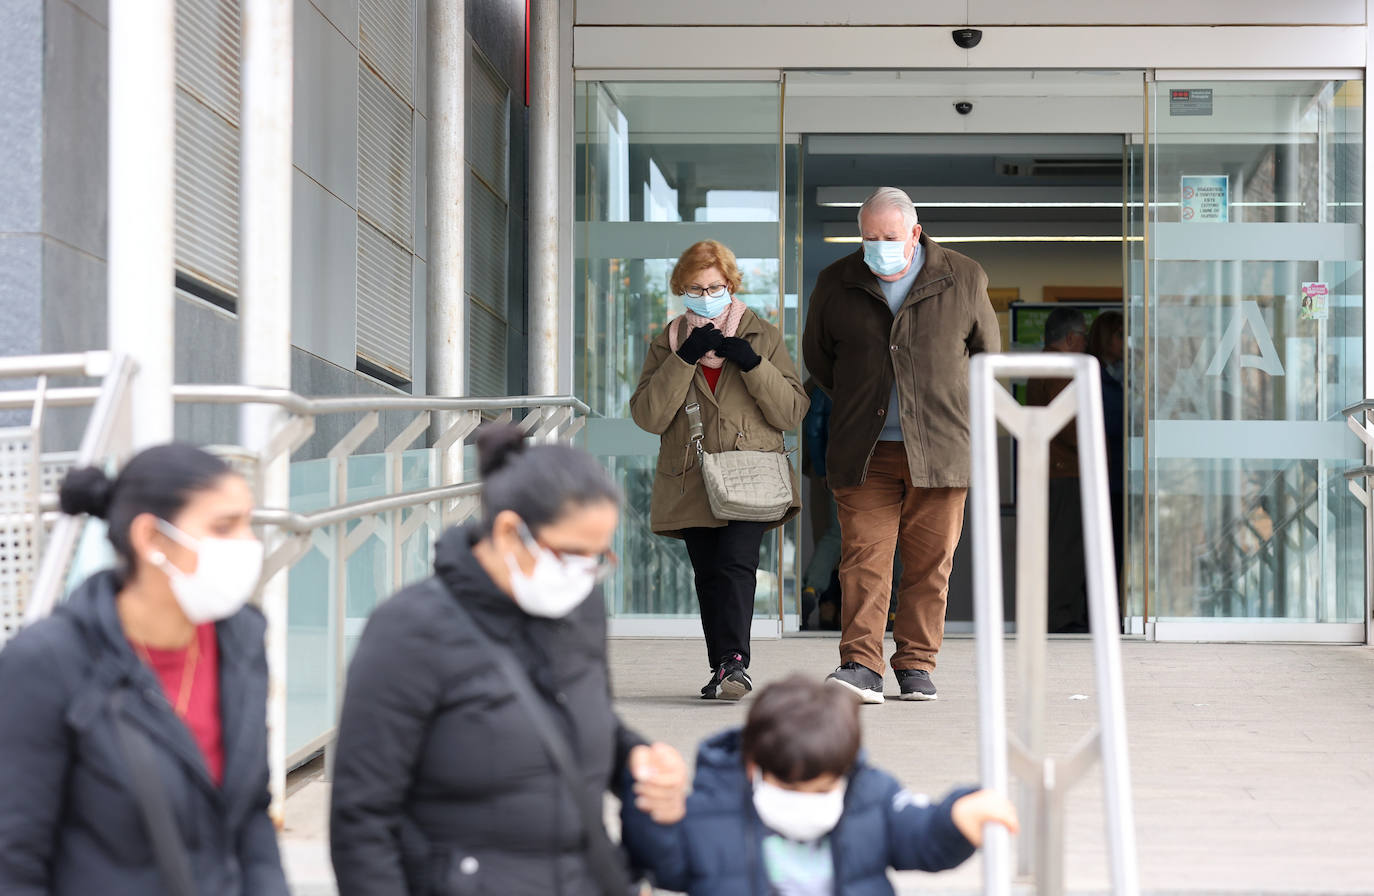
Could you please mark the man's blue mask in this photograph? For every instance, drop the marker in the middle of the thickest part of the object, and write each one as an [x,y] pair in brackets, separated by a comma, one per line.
[885,257]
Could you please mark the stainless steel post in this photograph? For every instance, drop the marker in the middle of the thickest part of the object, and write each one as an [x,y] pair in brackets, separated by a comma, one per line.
[141,214]
[543,198]
[447,344]
[987,611]
[265,312]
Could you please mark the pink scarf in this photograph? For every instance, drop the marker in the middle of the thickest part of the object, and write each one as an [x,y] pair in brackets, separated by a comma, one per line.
[727,322]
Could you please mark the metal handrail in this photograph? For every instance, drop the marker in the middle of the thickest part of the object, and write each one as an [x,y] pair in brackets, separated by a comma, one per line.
[97,443]
[297,404]
[303,523]
[1044,779]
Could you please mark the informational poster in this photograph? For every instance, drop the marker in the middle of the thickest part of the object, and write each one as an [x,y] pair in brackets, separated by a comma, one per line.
[1205,198]
[1314,301]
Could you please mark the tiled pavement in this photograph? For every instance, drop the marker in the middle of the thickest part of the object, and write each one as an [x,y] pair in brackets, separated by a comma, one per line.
[1253,765]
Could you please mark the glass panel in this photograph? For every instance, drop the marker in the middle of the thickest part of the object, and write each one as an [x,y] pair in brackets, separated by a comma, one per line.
[1134,581]
[660,166]
[1256,345]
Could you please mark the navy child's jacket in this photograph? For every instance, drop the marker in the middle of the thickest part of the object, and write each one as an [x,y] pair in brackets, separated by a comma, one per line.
[718,848]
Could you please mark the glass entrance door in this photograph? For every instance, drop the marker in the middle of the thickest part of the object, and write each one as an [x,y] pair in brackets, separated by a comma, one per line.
[661,165]
[1252,343]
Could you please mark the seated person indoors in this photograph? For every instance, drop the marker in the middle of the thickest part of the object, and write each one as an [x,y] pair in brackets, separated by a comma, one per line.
[821,821]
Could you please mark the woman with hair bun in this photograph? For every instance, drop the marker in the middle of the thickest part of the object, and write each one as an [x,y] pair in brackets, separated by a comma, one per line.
[445,780]
[133,743]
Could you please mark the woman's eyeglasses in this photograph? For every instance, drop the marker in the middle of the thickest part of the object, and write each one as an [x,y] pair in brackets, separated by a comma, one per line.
[712,292]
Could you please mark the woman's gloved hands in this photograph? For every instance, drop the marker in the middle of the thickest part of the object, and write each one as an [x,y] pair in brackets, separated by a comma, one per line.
[700,341]
[738,349]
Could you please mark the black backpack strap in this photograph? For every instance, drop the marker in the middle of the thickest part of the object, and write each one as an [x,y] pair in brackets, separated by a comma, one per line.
[602,856]
[144,778]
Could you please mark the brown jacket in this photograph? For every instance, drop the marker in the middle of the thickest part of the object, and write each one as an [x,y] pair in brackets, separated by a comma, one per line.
[747,411]
[855,348]
[1064,446]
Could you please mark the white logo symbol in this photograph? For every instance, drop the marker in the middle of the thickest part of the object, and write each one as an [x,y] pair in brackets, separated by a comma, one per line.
[1268,358]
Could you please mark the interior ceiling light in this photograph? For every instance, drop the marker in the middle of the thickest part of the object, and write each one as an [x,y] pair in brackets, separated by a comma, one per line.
[924,205]
[1009,239]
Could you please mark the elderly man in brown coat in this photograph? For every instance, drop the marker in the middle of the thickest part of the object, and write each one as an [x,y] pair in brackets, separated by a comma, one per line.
[888,336]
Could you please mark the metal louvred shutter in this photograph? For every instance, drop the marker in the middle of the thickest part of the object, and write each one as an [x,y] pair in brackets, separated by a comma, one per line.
[486,242]
[386,38]
[384,157]
[207,142]
[384,302]
[488,126]
[486,351]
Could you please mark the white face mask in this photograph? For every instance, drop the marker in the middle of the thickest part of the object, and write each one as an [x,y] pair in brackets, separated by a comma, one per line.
[227,571]
[557,586]
[798,815]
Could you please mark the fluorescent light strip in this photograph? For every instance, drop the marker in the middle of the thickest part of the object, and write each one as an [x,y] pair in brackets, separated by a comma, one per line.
[1008,239]
[925,205]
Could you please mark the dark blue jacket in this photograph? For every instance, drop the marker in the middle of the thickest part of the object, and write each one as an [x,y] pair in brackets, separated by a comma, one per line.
[717,849]
[69,823]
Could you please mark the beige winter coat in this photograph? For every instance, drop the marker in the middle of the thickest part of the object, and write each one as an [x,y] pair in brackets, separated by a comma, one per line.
[748,411]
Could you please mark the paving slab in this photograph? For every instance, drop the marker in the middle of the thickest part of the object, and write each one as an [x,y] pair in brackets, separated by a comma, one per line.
[1252,765]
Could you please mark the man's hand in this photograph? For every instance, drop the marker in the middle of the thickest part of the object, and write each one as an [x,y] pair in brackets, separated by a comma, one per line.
[660,775]
[700,341]
[971,812]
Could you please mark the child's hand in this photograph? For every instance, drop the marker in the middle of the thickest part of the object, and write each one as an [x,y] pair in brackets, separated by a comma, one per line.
[660,775]
[971,812]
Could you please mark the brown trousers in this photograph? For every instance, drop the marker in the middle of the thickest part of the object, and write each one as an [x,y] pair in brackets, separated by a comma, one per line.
[886,512]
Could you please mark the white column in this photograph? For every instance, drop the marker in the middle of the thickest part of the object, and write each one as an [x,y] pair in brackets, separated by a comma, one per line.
[543,198]
[447,355]
[265,308]
[142,157]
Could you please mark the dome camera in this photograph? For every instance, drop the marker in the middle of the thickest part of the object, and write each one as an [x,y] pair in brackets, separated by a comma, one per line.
[967,38]
[963,107]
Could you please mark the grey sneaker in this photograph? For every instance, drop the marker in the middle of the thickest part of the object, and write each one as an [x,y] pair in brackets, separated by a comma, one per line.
[916,684]
[863,681]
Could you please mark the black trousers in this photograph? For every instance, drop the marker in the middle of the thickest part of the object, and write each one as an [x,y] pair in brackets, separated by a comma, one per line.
[1068,585]
[725,562]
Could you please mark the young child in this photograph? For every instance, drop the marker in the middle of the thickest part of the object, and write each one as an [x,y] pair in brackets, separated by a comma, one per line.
[786,806]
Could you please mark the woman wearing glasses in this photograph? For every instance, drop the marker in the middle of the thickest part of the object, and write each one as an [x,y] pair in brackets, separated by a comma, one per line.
[445,781]
[734,365]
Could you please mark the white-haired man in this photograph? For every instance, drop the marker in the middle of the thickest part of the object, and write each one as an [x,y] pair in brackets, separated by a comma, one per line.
[889,332]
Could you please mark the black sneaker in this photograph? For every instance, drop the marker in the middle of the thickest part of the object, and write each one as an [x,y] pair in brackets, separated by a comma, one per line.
[916,684]
[730,681]
[863,681]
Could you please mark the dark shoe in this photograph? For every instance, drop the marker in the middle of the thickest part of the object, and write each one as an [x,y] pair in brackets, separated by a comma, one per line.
[916,684]
[861,680]
[730,681]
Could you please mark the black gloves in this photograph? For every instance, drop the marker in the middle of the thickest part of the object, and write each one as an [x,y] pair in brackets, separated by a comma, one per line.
[701,340]
[740,351]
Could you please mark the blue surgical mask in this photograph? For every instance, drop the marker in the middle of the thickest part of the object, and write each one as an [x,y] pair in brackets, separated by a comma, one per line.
[706,306]
[885,257]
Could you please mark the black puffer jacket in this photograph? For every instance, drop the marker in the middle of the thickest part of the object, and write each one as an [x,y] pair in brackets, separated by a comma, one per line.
[69,823]
[441,785]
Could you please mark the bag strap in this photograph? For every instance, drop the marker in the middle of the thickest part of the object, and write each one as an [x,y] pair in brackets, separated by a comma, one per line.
[602,856]
[168,848]
[693,409]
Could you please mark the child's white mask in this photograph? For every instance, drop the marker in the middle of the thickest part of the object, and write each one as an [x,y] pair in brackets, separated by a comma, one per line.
[796,814]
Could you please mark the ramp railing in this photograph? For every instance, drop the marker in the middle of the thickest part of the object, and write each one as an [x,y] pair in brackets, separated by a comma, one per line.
[1044,779]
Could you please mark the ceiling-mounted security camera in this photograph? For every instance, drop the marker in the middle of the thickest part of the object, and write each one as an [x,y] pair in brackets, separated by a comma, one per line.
[967,38]
[963,107]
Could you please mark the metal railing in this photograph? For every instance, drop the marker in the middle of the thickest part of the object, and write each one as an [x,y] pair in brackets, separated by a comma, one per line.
[1360,481]
[343,525]
[1044,779]
[42,542]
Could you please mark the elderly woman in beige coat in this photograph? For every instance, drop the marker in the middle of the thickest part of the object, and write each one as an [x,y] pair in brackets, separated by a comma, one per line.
[735,366]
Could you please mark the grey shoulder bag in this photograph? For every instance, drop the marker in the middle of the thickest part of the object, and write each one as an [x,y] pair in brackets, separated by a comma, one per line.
[741,485]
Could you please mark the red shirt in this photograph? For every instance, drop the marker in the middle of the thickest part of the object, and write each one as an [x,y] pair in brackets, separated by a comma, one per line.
[202,701]
[712,375]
